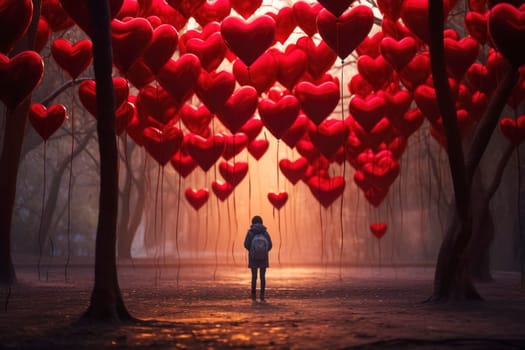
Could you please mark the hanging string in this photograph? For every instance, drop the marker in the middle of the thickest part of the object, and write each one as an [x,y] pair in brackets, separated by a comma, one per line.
[69,188]
[155,226]
[341,223]
[177,217]
[42,210]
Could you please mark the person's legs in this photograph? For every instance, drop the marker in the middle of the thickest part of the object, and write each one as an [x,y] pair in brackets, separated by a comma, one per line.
[263,281]
[254,281]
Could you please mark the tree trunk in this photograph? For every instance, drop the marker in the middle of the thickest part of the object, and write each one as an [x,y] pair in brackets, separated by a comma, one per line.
[10,161]
[106,303]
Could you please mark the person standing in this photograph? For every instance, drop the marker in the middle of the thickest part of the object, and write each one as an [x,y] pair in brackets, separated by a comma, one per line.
[258,243]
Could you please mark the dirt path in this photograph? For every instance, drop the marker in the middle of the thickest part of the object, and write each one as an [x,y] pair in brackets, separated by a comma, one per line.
[305,309]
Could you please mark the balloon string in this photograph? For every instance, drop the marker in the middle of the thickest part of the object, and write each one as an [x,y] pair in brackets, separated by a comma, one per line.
[229,225]
[177,217]
[42,209]
[69,188]
[379,251]
[162,217]
[217,241]
[356,226]
[155,226]
[280,236]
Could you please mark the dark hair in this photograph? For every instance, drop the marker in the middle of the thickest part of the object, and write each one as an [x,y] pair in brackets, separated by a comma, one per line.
[257,220]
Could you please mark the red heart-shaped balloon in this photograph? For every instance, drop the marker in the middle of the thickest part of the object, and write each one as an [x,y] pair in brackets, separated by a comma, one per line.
[378,229]
[87,92]
[19,76]
[390,8]
[426,101]
[214,88]
[398,53]
[252,128]
[370,45]
[162,10]
[238,108]
[183,163]
[123,116]
[55,16]
[284,23]
[320,57]
[186,7]
[376,71]
[306,16]
[513,130]
[415,72]
[460,55]
[43,33]
[233,173]
[397,104]
[180,76]
[79,11]
[129,41]
[359,86]
[262,74]
[278,200]
[329,136]
[307,149]
[477,25]
[336,7]
[381,170]
[161,47]
[291,65]
[326,190]
[245,8]
[368,111]
[222,189]
[234,144]
[197,198]
[73,58]
[506,25]
[15,16]
[162,144]
[278,116]
[47,120]
[257,148]
[196,119]
[294,170]
[414,14]
[248,40]
[139,74]
[205,151]
[155,106]
[354,25]
[317,101]
[296,131]
[210,51]
[212,11]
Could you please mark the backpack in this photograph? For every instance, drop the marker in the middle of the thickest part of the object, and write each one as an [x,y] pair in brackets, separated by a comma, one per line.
[259,247]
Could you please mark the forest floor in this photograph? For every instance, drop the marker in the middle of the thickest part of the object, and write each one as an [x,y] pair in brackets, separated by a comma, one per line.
[305,308]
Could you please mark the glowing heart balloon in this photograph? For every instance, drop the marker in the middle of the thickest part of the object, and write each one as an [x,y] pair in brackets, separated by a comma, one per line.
[284,23]
[87,92]
[205,151]
[390,8]
[43,33]
[234,144]
[196,119]
[19,76]
[78,10]
[279,116]
[326,190]
[257,148]
[233,173]
[506,25]
[414,14]
[238,108]
[162,144]
[248,40]
[262,74]
[214,88]
[210,51]
[293,170]
[291,65]
[460,55]
[245,8]
[161,47]
[376,71]
[212,11]
[15,16]
[186,7]
[278,200]
[336,7]
[354,25]
[73,58]
[306,16]
[180,76]
[296,131]
[252,128]
[477,25]
[129,41]
[378,229]
[513,130]
[183,163]
[46,121]
[317,101]
[368,111]
[222,189]
[398,53]
[197,197]
[425,98]
[329,136]
[320,57]
[155,106]
[55,15]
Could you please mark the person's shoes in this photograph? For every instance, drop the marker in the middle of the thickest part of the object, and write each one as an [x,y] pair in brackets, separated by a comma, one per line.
[253,296]
[262,297]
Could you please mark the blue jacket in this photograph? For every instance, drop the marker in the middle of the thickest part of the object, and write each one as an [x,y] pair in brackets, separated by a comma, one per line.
[254,230]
